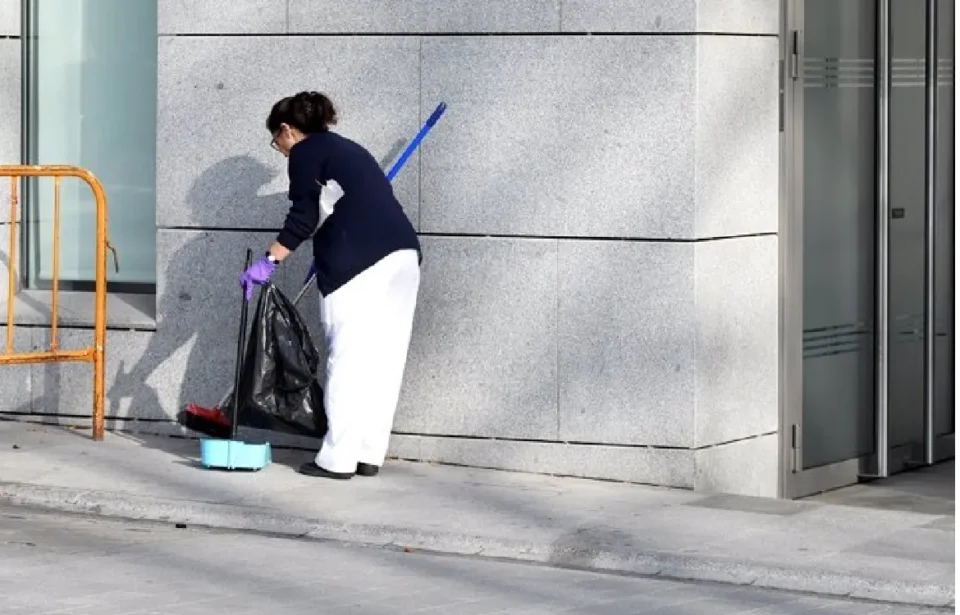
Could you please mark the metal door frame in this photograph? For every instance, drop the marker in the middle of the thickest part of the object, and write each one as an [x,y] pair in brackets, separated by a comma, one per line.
[935,448]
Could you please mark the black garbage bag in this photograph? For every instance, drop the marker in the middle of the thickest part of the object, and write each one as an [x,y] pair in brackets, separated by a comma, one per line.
[279,390]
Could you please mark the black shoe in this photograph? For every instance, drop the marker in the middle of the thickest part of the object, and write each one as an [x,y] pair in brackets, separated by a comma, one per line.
[367,469]
[312,469]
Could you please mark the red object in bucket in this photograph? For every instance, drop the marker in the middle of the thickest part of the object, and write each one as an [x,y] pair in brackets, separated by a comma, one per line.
[210,421]
[212,415]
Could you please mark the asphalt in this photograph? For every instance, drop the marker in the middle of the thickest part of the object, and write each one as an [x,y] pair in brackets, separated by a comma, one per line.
[897,556]
[58,564]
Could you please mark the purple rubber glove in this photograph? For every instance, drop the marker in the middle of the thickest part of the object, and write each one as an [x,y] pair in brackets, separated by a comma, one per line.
[258,273]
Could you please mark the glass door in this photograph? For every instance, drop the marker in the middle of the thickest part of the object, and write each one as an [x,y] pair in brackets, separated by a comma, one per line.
[921,239]
[867,240]
[906,335]
[830,235]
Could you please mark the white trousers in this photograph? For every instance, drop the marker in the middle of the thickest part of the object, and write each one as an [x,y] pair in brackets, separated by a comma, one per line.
[367,325]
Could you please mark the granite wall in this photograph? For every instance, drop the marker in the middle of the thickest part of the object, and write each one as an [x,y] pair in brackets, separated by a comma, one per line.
[13,380]
[10,84]
[598,210]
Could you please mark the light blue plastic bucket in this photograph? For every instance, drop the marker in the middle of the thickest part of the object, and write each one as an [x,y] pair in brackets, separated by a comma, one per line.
[234,455]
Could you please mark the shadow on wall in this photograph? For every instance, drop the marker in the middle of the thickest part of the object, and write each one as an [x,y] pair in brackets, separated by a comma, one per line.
[233,180]
[190,357]
[192,281]
[197,310]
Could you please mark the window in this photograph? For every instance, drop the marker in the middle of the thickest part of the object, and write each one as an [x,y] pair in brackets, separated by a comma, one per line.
[91,101]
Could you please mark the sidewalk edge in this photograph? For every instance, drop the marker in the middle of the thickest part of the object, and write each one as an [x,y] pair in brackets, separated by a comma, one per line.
[659,564]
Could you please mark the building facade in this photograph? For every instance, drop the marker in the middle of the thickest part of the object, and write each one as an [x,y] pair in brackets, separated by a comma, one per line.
[605,209]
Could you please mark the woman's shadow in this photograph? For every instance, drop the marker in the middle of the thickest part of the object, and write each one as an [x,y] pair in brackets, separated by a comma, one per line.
[192,291]
[193,305]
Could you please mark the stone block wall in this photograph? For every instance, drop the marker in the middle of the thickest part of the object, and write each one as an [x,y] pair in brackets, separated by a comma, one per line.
[598,210]
[10,85]
[14,381]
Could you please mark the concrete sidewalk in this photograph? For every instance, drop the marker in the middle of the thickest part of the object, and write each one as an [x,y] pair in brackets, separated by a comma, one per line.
[826,549]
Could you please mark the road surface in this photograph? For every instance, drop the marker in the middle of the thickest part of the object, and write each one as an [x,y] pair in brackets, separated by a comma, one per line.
[77,566]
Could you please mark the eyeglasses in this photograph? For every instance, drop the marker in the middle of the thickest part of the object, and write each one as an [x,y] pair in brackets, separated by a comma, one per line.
[273,142]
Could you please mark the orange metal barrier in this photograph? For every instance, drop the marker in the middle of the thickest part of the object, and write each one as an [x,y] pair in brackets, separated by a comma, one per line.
[94,354]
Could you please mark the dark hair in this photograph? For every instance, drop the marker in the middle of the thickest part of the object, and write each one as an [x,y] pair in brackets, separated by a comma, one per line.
[306,111]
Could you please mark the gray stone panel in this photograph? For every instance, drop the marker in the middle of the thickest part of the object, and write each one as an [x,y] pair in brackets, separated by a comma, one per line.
[4,265]
[627,333]
[10,17]
[737,332]
[669,468]
[629,16]
[75,309]
[15,384]
[131,390]
[222,16]
[746,467]
[10,83]
[483,360]
[424,16]
[14,379]
[687,16]
[737,136]
[569,136]
[739,16]
[215,167]
[5,274]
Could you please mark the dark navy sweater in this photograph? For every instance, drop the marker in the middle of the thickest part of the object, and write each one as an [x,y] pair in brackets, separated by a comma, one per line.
[367,222]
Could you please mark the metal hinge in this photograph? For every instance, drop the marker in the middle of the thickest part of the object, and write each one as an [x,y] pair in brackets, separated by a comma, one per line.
[794,57]
[794,449]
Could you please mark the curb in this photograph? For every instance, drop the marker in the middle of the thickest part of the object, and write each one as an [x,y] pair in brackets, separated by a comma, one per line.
[583,557]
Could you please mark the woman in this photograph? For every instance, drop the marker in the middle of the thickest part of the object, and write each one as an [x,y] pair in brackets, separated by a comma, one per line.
[367,259]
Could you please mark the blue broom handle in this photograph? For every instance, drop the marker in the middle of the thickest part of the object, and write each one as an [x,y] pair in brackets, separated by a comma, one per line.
[392,173]
[412,147]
